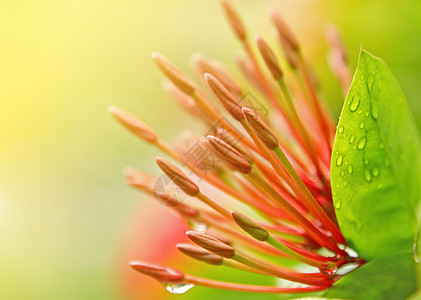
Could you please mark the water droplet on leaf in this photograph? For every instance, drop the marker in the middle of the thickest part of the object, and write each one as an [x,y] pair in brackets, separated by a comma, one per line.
[339,160]
[374,110]
[355,102]
[416,246]
[338,204]
[350,169]
[367,175]
[362,143]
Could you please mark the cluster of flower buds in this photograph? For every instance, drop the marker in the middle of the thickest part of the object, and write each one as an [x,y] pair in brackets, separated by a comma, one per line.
[274,161]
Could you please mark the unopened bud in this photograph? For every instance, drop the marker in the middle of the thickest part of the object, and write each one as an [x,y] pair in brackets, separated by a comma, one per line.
[200,254]
[230,155]
[211,244]
[160,273]
[270,59]
[133,124]
[174,74]
[249,226]
[177,176]
[260,128]
[234,19]
[226,98]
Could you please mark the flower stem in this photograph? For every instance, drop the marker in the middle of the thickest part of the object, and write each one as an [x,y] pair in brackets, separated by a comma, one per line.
[249,288]
[278,272]
[311,202]
[278,245]
[313,231]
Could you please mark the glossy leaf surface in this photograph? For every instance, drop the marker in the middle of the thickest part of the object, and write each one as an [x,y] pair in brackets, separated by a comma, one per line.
[375,167]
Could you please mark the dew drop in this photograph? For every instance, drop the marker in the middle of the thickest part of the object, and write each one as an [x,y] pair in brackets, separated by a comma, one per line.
[339,160]
[416,251]
[381,146]
[354,103]
[352,139]
[366,162]
[362,143]
[340,129]
[348,268]
[366,114]
[362,124]
[367,175]
[342,173]
[338,204]
[362,77]
[200,227]
[350,169]
[376,171]
[178,288]
[329,268]
[351,252]
[374,109]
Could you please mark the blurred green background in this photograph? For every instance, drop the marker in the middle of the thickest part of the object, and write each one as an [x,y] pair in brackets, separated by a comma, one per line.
[66,216]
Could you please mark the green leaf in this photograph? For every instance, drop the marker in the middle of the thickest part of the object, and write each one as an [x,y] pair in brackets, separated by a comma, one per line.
[389,278]
[415,296]
[375,167]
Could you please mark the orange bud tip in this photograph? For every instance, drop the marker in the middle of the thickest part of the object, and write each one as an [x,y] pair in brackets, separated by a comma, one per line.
[139,179]
[284,31]
[211,244]
[160,273]
[270,59]
[226,98]
[133,124]
[260,128]
[335,43]
[200,254]
[173,73]
[177,176]
[230,155]
[202,66]
[249,226]
[234,20]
